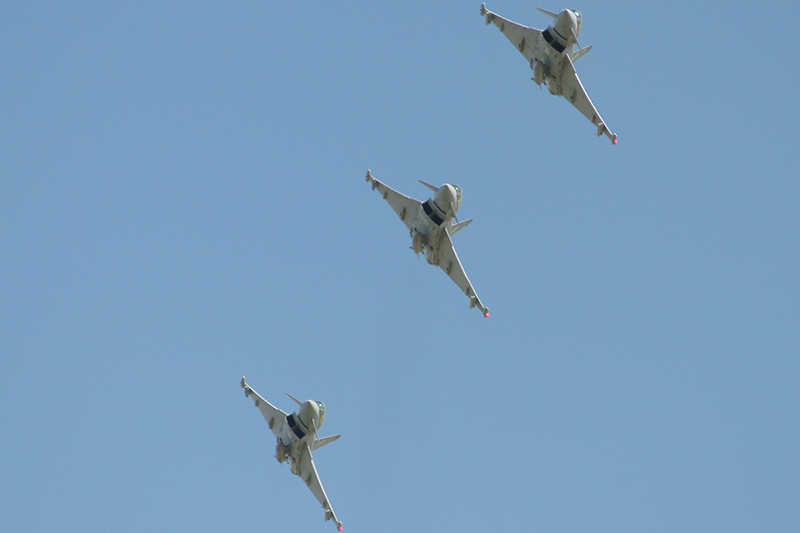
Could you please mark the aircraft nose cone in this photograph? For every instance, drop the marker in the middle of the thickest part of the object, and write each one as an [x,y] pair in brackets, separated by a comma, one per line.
[568,16]
[445,196]
[565,21]
[309,411]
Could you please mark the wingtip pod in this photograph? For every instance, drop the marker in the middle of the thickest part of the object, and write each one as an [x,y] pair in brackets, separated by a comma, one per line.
[601,129]
[329,515]
[486,13]
[473,302]
[371,179]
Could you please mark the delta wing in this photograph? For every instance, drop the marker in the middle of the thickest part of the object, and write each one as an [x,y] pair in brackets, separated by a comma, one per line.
[308,473]
[271,414]
[524,38]
[572,89]
[450,263]
[405,206]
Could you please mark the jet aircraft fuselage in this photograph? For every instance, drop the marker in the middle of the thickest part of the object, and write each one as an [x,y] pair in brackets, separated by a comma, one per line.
[298,430]
[433,217]
[551,55]
[296,435]
[430,225]
[561,35]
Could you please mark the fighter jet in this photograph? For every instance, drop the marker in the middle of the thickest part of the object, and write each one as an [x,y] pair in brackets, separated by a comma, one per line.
[430,224]
[297,437]
[551,55]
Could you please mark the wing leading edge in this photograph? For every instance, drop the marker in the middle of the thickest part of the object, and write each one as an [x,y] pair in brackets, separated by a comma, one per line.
[403,205]
[572,89]
[271,414]
[309,475]
[524,38]
[451,264]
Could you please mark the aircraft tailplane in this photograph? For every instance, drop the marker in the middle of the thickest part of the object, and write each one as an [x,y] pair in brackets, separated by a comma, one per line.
[319,443]
[580,53]
[455,227]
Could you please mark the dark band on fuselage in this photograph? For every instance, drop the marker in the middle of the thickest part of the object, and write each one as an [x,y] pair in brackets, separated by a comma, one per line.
[557,46]
[426,206]
[295,427]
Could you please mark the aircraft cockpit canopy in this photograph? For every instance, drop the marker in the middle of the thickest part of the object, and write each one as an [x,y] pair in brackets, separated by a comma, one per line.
[321,412]
[458,196]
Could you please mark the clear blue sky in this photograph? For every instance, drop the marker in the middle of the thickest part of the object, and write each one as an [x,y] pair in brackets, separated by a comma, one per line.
[182,202]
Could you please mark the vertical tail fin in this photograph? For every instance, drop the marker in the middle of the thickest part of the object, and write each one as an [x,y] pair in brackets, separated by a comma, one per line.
[548,13]
[428,185]
[298,402]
